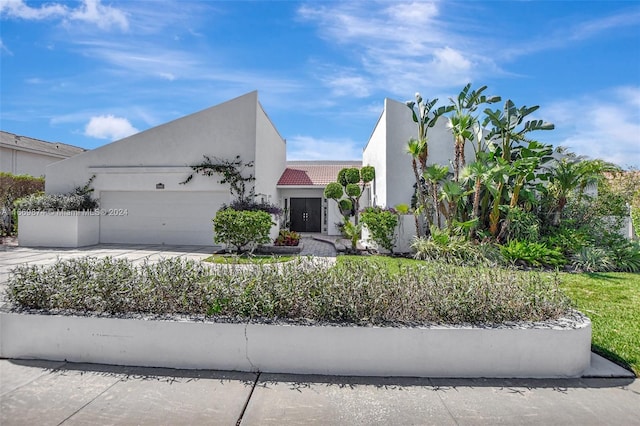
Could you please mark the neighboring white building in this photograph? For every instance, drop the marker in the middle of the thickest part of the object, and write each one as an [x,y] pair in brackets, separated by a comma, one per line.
[22,155]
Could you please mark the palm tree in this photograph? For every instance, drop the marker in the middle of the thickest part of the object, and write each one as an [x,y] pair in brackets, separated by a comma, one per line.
[462,121]
[425,118]
[574,174]
[434,174]
[479,172]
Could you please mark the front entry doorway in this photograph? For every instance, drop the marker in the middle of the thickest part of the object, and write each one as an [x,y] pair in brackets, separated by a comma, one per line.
[306,214]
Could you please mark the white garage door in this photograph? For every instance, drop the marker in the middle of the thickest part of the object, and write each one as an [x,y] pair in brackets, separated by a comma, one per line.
[159,217]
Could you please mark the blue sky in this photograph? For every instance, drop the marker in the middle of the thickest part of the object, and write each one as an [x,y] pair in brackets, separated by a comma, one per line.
[89,72]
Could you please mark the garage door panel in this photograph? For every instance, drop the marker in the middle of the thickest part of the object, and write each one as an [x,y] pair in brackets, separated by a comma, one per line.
[159,217]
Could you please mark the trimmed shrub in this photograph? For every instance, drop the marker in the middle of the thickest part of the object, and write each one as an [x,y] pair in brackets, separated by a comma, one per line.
[241,228]
[381,225]
[79,199]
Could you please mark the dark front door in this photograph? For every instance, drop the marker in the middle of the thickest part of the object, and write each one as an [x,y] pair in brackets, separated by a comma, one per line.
[305,214]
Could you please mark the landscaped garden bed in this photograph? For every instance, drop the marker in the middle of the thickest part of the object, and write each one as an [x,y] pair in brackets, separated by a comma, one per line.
[355,318]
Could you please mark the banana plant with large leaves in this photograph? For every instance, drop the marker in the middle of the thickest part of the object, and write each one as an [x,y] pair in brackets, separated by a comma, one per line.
[508,130]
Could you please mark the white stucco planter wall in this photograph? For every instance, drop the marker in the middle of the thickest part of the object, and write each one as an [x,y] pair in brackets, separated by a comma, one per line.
[58,229]
[440,351]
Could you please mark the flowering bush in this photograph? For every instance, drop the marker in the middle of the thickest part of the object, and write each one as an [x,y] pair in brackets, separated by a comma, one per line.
[287,238]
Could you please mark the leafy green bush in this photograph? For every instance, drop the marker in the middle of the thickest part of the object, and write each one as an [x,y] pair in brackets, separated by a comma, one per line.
[456,249]
[592,259]
[351,292]
[532,254]
[352,233]
[241,228]
[13,187]
[523,226]
[382,226]
[333,190]
[568,240]
[252,205]
[626,256]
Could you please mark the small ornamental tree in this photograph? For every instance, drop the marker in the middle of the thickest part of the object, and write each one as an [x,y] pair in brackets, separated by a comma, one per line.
[350,183]
[241,228]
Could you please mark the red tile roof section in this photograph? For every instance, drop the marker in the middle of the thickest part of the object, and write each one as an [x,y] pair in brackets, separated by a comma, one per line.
[311,174]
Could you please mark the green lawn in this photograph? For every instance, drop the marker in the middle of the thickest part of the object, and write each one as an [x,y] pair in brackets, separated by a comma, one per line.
[393,263]
[227,259]
[612,302]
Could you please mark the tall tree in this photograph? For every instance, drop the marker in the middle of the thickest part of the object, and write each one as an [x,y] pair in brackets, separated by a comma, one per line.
[426,117]
[462,121]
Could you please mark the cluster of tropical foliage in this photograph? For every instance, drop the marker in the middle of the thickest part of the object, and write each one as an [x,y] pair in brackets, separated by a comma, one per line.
[537,203]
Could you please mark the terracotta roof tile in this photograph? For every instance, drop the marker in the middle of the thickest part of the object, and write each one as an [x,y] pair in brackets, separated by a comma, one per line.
[313,174]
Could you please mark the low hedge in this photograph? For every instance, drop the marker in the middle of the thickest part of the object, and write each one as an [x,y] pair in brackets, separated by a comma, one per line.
[349,292]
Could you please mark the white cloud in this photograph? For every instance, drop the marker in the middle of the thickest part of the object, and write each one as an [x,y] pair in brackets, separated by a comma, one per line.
[90,11]
[309,148]
[348,84]
[605,129]
[399,47]
[19,9]
[109,127]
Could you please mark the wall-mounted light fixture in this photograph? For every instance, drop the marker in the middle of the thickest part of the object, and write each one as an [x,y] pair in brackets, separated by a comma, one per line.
[159,185]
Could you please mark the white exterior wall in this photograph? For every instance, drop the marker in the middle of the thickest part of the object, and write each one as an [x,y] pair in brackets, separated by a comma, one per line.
[375,154]
[223,131]
[270,157]
[387,152]
[21,162]
[162,155]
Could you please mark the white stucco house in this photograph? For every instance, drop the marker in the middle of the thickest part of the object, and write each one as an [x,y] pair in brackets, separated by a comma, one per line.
[22,155]
[387,152]
[138,178]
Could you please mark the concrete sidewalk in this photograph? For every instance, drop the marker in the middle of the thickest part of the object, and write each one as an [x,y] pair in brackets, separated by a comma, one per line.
[56,393]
